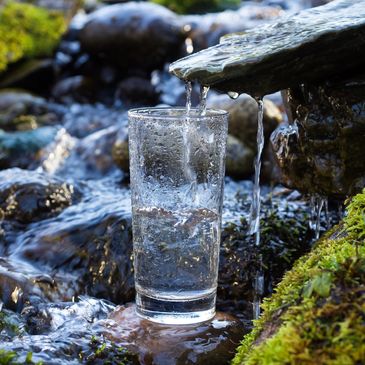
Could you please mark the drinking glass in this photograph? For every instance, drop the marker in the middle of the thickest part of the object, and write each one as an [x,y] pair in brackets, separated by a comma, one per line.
[177,166]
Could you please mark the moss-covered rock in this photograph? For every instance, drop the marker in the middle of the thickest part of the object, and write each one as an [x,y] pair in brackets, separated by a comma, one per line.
[316,315]
[27,31]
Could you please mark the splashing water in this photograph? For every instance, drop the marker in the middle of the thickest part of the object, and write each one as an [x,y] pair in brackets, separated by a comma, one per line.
[258,285]
[317,203]
[256,203]
[203,100]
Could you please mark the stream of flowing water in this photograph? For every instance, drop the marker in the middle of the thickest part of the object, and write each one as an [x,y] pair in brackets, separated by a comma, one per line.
[256,203]
[203,100]
[256,208]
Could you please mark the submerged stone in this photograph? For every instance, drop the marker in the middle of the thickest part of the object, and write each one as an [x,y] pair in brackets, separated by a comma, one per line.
[87,248]
[212,342]
[63,333]
[28,196]
[314,45]
[21,284]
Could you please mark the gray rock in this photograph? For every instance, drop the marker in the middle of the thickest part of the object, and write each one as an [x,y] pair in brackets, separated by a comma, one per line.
[133,35]
[243,126]
[314,45]
[239,159]
[243,117]
[20,110]
[81,89]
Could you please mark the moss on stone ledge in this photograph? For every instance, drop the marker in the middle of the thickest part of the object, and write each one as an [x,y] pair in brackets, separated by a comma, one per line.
[27,31]
[317,314]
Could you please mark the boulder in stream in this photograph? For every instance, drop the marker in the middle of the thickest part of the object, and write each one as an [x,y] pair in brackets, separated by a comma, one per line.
[133,36]
[27,196]
[87,247]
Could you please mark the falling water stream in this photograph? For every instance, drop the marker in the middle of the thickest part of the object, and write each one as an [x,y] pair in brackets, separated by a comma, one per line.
[188,89]
[317,203]
[254,228]
[256,204]
[203,100]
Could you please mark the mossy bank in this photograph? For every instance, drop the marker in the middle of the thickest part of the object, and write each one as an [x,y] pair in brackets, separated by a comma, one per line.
[27,31]
[317,313]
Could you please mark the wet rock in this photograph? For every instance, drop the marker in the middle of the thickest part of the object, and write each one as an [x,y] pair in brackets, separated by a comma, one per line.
[133,35]
[91,157]
[322,150]
[211,342]
[137,91]
[243,126]
[20,284]
[265,59]
[206,30]
[285,235]
[239,158]
[88,246]
[120,153]
[20,110]
[64,333]
[28,196]
[243,117]
[10,323]
[78,89]
[19,149]
[81,120]
[35,75]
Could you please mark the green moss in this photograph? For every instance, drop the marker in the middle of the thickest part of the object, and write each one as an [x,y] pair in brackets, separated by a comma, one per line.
[27,31]
[197,6]
[10,358]
[107,352]
[317,314]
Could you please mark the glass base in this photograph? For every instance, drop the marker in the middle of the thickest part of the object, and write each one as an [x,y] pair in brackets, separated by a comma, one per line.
[176,312]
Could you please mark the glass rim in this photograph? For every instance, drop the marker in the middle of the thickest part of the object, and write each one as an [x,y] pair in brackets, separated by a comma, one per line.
[161,113]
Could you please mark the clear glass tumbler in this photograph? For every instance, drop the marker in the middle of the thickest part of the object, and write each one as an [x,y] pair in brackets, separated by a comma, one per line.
[177,175]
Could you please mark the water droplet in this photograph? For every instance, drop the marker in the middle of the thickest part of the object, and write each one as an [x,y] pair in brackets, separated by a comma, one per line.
[233,95]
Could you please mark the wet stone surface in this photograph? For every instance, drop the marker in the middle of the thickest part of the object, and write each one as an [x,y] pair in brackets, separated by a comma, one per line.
[321,150]
[264,60]
[212,342]
[29,196]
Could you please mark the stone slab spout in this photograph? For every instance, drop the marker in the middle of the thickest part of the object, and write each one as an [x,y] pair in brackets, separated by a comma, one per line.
[309,47]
